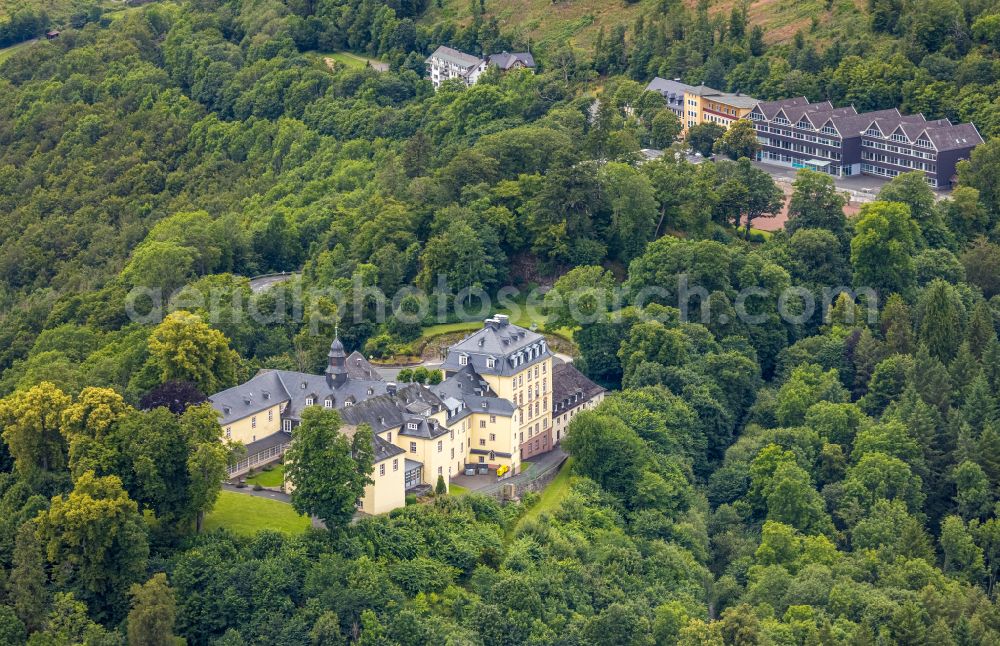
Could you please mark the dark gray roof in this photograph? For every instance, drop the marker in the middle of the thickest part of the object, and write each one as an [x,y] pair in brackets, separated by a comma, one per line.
[737,99]
[956,137]
[570,387]
[461,59]
[359,368]
[410,465]
[393,410]
[505,60]
[265,443]
[466,392]
[771,108]
[301,386]
[668,88]
[511,348]
[384,450]
[263,391]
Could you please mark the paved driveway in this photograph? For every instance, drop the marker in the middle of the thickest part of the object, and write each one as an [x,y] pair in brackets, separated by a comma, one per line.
[530,469]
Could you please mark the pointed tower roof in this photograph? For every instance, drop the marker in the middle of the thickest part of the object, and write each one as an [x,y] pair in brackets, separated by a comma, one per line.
[336,368]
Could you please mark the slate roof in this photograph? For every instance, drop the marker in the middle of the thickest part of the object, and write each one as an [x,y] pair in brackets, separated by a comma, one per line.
[461,59]
[301,386]
[668,88]
[396,410]
[962,135]
[265,443]
[505,60]
[359,368]
[263,391]
[510,346]
[466,392]
[567,383]
[736,99]
[771,108]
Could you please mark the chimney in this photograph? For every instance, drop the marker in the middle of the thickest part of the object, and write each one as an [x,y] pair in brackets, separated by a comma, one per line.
[502,319]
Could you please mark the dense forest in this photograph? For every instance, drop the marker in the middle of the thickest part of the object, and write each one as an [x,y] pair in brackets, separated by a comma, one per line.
[765,472]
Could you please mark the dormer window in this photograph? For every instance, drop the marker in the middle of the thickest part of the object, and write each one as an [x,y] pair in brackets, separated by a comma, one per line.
[484,405]
[267,395]
[327,403]
[411,426]
[491,362]
[226,410]
[463,360]
[873,132]
[371,392]
[310,401]
[804,125]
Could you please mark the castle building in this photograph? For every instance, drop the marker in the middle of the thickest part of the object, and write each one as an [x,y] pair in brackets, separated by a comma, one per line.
[492,409]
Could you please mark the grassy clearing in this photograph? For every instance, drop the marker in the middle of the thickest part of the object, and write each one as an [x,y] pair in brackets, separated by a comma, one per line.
[552,496]
[457,490]
[273,478]
[245,514]
[348,59]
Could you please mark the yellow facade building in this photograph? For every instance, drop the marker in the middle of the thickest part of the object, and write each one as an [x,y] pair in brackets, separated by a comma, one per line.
[703,104]
[492,410]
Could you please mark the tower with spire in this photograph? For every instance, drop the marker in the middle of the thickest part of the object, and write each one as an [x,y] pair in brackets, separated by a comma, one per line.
[336,368]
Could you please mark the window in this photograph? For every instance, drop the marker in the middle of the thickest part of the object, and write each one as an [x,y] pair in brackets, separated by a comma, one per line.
[381,470]
[286,424]
[440,472]
[270,415]
[309,401]
[413,447]
[463,360]
[411,425]
[482,442]
[328,403]
[253,422]
[440,446]
[481,459]
[361,504]
[229,432]
[493,419]
[388,436]
[491,362]
[452,453]
[493,437]
[395,464]
[482,423]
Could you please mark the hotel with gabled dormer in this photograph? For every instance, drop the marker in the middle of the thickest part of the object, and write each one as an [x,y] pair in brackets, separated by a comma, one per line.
[492,410]
[841,142]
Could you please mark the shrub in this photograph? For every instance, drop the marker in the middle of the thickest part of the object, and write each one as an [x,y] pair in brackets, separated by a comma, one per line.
[411,499]
[257,487]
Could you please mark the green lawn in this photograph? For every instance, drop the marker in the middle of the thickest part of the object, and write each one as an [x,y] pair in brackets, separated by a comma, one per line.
[457,490]
[552,496]
[273,478]
[348,58]
[245,514]
[525,318]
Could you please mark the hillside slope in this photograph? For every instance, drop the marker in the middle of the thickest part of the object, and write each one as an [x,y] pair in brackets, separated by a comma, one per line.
[545,23]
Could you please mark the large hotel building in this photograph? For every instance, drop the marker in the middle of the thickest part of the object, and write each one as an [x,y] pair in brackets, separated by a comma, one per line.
[839,141]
